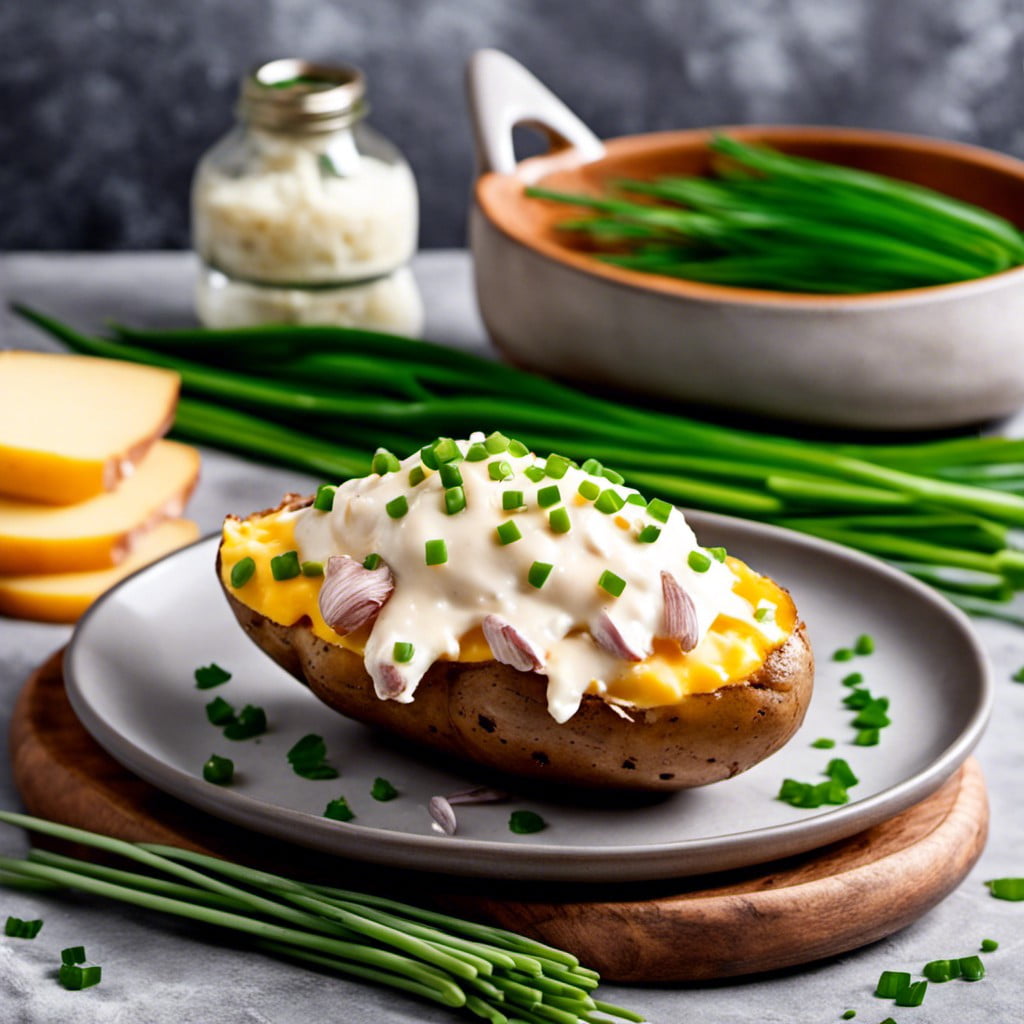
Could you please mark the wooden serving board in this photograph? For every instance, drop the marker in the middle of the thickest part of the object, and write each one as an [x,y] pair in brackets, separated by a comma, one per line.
[740,922]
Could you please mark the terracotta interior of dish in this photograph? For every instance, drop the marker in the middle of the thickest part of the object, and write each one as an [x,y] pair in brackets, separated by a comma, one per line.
[984,178]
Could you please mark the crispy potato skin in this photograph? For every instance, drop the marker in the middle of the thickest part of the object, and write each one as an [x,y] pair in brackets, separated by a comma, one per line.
[492,715]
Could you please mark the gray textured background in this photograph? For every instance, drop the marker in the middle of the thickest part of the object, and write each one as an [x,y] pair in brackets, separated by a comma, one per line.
[105,105]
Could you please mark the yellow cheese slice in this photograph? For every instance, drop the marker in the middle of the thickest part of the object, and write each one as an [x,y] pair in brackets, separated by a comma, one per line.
[97,533]
[72,427]
[63,597]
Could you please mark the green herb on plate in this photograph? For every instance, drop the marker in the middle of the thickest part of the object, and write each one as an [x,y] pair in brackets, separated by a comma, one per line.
[1007,888]
[339,810]
[219,770]
[525,823]
[16,928]
[308,758]
[383,790]
[251,721]
[209,676]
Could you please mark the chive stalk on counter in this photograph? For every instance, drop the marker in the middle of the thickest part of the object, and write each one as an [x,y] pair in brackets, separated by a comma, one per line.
[943,510]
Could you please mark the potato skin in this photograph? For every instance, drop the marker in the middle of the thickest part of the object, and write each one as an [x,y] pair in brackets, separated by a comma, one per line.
[492,715]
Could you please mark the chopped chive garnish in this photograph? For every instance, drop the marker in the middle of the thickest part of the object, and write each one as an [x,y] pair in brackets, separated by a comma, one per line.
[848,1015]
[989,945]
[865,644]
[658,509]
[891,983]
[534,473]
[339,810]
[971,968]
[612,584]
[209,676]
[649,534]
[1018,676]
[839,770]
[823,743]
[548,496]
[511,500]
[517,448]
[496,443]
[592,467]
[1007,888]
[219,770]
[403,652]
[286,566]
[853,679]
[764,613]
[508,533]
[397,507]
[636,499]
[219,712]
[477,452]
[538,574]
[382,790]
[609,502]
[556,466]
[428,457]
[251,721]
[73,955]
[913,994]
[371,561]
[446,450]
[454,500]
[559,521]
[324,500]
[75,977]
[941,971]
[843,654]
[524,823]
[612,477]
[312,569]
[436,552]
[450,475]
[698,561]
[858,699]
[16,928]
[867,738]
[718,554]
[242,571]
[873,716]
[416,476]
[500,470]
[589,489]
[384,462]
[308,758]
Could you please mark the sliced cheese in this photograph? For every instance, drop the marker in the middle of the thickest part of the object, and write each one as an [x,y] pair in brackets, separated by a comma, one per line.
[63,597]
[72,427]
[97,533]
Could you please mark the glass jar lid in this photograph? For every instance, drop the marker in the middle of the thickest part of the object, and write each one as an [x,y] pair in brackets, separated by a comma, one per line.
[300,96]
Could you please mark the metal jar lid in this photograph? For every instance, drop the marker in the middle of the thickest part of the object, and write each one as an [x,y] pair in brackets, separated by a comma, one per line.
[300,96]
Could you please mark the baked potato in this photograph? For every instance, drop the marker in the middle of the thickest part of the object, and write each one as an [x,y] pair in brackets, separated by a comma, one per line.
[422,613]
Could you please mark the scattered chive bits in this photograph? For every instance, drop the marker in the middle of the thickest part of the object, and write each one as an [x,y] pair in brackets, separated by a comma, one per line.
[718,554]
[403,652]
[636,499]
[382,790]
[500,470]
[1007,888]
[556,466]
[477,452]
[588,489]
[524,823]
[548,496]
[517,448]
[538,574]
[611,584]
[509,532]
[941,971]
[867,738]
[397,507]
[864,645]
[764,613]
[219,712]
[324,500]
[219,770]
[649,534]
[848,1015]
[416,476]
[496,443]
[609,502]
[844,654]
[592,467]
[989,945]
[339,810]
[312,569]
[435,552]
[454,500]
[812,795]
[823,743]
[446,450]
[251,721]
[450,475]
[559,521]
[534,473]
[286,566]
[372,561]
[853,679]
[658,509]
[1018,676]
[512,500]
[75,977]
[384,462]
[698,561]
[971,968]
[242,571]
[209,676]
[16,928]
[308,758]
[913,994]
[73,955]
[890,983]
[612,477]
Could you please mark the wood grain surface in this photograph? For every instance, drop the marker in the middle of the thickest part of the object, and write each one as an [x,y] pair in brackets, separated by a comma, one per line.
[741,922]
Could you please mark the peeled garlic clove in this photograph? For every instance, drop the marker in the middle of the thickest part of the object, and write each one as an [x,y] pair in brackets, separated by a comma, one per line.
[352,595]
[442,813]
[680,621]
[609,638]
[509,646]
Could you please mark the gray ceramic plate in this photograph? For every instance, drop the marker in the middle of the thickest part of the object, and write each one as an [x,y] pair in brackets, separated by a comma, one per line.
[130,679]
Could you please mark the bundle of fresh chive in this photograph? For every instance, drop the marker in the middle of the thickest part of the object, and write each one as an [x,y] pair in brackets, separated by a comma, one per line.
[494,974]
[321,399]
[785,223]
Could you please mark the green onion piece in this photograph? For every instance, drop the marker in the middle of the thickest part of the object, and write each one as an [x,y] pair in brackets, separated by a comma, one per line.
[339,810]
[73,955]
[611,584]
[989,945]
[511,500]
[913,994]
[286,566]
[538,574]
[76,977]
[251,721]
[308,758]
[589,489]
[428,457]
[524,823]
[219,770]
[312,569]
[500,470]
[371,561]
[450,475]
[517,448]
[220,712]
[1007,888]
[209,676]
[242,571]
[592,467]
[799,794]
[649,534]
[843,654]
[867,738]
[534,473]
[382,790]
[612,477]
[384,462]
[496,443]
[548,496]
[891,983]
[436,552]
[823,743]
[698,561]
[658,509]
[839,770]
[16,928]
[865,644]
[403,652]
[324,500]
[971,968]
[397,507]
[853,679]
[858,699]
[636,499]
[888,1020]
[508,533]
[873,716]
[718,554]
[446,450]
[764,613]
[416,476]
[1018,676]
[477,452]
[556,466]
[941,971]
[454,500]
[609,502]
[848,1015]
[559,521]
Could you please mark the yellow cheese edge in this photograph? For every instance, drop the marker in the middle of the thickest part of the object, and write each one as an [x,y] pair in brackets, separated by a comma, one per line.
[64,597]
[731,652]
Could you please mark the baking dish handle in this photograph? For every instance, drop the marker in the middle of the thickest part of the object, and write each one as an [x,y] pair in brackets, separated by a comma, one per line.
[503,94]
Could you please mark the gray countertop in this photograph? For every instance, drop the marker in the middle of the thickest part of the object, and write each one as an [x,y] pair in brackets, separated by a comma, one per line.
[161,972]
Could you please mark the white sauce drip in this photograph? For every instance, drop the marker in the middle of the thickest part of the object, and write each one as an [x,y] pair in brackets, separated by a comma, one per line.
[433,606]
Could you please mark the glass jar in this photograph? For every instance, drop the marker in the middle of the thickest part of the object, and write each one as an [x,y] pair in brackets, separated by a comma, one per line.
[302,213]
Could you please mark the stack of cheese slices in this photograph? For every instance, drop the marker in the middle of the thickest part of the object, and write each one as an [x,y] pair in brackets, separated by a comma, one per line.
[89,490]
